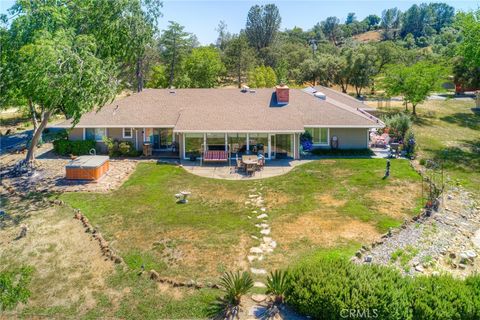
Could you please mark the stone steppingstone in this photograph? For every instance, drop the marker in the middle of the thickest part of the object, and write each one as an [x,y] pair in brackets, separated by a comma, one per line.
[258,271]
[259,297]
[258,284]
[263,209]
[256,250]
[262,216]
[265,232]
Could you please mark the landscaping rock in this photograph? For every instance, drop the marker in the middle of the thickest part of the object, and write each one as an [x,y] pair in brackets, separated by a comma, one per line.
[256,250]
[259,297]
[154,275]
[258,271]
[265,232]
[368,258]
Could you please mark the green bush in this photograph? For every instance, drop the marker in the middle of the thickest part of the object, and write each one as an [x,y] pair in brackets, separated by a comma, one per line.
[120,148]
[331,286]
[398,125]
[443,298]
[13,287]
[342,152]
[76,147]
[326,288]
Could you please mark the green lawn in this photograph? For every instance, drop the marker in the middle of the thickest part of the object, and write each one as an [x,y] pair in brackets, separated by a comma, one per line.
[211,234]
[450,130]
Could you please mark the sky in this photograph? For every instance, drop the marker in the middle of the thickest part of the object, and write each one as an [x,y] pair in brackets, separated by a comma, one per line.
[202,17]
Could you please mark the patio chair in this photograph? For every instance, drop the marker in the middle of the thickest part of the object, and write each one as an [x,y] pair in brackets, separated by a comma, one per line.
[238,164]
[261,162]
[250,170]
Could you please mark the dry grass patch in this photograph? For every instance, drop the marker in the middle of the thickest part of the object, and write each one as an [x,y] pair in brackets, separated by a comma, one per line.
[330,201]
[274,199]
[325,229]
[69,267]
[396,200]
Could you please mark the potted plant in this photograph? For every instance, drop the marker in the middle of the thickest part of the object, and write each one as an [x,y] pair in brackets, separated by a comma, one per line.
[194,154]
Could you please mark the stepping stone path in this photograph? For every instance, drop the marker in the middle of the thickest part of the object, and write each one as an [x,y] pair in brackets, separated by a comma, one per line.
[265,244]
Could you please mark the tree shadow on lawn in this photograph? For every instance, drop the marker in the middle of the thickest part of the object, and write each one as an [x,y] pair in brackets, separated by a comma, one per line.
[467,157]
[468,120]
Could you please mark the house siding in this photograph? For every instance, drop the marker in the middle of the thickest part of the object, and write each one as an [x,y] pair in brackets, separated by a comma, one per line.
[76,134]
[350,138]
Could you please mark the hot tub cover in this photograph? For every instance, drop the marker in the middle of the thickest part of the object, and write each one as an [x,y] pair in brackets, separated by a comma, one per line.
[87,162]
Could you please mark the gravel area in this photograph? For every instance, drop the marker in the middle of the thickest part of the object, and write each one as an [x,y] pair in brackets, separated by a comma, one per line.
[446,241]
[49,175]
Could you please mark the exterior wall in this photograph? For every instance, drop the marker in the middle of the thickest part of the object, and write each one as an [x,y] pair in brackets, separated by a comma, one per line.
[351,138]
[76,134]
[113,133]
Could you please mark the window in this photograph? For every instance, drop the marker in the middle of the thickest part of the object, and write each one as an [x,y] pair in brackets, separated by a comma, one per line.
[319,135]
[127,132]
[215,141]
[258,142]
[193,143]
[96,134]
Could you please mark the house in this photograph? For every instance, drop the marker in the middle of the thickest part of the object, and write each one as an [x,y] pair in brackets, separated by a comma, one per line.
[186,121]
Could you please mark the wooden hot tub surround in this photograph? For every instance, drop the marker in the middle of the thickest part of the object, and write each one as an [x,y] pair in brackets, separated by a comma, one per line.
[87,168]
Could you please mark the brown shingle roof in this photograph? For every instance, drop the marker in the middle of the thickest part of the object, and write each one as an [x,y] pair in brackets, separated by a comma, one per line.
[226,110]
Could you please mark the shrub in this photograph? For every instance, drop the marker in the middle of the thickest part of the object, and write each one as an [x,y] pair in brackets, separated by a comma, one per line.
[277,284]
[76,147]
[443,297]
[398,125]
[120,148]
[342,152]
[13,287]
[234,285]
[324,288]
[330,286]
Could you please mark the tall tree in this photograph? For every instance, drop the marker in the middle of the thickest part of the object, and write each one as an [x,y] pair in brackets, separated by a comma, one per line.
[60,73]
[263,23]
[469,49]
[223,35]
[331,29]
[203,67]
[372,21]
[443,15]
[390,23]
[415,82]
[351,18]
[239,57]
[175,43]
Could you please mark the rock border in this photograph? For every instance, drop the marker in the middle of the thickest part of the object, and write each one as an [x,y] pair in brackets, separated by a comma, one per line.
[155,276]
[107,251]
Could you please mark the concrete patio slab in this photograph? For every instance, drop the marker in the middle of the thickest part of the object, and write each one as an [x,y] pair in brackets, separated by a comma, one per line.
[223,171]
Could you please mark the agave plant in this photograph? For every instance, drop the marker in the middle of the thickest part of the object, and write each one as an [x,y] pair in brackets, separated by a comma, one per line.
[235,286]
[277,285]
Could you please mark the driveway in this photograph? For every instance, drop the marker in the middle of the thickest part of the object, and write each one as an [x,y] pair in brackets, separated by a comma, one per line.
[13,141]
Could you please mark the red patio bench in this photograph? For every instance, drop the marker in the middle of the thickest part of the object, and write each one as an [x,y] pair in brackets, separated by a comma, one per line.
[215,156]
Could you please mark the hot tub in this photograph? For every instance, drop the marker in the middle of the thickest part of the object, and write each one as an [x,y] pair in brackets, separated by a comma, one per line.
[87,168]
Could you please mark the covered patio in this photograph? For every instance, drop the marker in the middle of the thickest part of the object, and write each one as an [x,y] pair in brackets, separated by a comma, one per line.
[224,171]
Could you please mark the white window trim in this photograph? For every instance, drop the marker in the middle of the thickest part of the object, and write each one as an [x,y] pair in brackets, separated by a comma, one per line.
[127,137]
[321,144]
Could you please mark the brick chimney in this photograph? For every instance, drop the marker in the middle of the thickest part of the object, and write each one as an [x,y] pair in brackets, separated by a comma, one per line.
[283,94]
